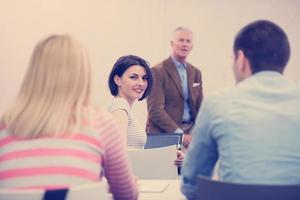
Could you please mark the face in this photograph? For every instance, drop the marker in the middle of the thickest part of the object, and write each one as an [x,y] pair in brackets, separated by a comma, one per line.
[182,44]
[132,84]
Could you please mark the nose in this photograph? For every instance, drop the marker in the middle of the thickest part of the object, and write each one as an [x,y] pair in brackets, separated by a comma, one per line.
[186,42]
[141,81]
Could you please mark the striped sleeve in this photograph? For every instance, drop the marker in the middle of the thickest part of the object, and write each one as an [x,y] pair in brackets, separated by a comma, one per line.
[118,104]
[116,165]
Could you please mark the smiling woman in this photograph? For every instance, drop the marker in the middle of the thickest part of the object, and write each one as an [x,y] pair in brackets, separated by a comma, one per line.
[129,80]
[132,83]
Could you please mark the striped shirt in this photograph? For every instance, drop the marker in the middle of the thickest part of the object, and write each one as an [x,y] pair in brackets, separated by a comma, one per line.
[80,158]
[136,136]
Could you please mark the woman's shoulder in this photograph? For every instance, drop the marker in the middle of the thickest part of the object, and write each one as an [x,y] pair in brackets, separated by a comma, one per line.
[100,113]
[118,103]
[103,121]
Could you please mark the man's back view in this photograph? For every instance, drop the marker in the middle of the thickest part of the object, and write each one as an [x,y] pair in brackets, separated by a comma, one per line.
[257,129]
[253,128]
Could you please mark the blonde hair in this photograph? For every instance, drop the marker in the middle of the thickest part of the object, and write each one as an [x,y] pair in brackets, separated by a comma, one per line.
[55,90]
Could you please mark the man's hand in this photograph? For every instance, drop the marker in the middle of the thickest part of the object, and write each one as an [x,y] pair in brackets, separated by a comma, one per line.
[179,159]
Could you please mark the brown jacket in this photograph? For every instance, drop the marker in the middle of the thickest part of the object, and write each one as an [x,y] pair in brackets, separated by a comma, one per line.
[165,103]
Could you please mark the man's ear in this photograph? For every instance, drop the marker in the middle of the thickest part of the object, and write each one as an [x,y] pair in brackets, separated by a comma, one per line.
[243,64]
[117,80]
[239,60]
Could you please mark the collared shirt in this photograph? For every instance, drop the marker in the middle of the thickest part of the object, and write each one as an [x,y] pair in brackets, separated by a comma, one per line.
[253,129]
[181,68]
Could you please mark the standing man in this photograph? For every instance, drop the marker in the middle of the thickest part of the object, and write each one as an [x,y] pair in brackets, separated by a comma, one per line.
[177,91]
[252,128]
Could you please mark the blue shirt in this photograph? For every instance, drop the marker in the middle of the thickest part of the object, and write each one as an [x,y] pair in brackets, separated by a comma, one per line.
[253,129]
[181,68]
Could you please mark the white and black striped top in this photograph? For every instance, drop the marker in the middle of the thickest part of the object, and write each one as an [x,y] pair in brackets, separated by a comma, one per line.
[136,136]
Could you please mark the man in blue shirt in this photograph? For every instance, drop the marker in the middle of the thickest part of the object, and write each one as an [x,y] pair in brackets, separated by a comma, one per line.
[253,128]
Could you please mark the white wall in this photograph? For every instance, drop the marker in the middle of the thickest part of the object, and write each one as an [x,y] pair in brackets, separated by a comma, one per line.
[110,29]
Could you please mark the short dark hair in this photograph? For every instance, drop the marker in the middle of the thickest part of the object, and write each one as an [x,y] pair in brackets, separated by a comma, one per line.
[265,45]
[121,65]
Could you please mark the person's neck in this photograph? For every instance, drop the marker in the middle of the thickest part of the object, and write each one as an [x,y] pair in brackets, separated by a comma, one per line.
[179,59]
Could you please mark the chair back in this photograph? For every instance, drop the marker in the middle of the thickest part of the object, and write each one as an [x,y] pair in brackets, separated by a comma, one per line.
[216,190]
[92,191]
[155,140]
[155,163]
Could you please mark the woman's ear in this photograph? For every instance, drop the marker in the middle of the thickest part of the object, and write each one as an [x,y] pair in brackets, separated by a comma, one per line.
[117,80]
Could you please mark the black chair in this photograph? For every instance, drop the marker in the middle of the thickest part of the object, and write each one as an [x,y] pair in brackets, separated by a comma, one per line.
[90,191]
[155,140]
[216,190]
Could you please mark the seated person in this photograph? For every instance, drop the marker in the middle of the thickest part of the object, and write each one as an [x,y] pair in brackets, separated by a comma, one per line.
[253,128]
[130,79]
[53,137]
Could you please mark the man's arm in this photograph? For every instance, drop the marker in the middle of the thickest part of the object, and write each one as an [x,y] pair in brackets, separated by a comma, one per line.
[200,96]
[201,155]
[156,103]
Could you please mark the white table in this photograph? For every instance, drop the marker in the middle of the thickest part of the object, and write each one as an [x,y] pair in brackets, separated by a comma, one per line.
[170,192]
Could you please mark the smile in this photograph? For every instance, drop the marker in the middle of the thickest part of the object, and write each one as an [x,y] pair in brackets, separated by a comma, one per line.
[139,90]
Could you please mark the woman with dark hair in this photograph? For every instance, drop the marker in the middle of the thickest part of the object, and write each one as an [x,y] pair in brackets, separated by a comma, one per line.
[130,79]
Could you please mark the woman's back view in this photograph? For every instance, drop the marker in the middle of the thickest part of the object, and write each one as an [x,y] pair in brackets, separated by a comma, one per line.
[53,137]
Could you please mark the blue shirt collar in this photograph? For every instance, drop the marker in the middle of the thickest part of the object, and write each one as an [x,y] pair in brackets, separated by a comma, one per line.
[178,64]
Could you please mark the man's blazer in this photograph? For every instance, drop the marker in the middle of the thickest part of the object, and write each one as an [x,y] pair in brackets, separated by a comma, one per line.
[166,101]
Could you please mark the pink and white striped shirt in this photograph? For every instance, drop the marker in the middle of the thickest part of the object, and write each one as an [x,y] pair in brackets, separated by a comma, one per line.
[80,158]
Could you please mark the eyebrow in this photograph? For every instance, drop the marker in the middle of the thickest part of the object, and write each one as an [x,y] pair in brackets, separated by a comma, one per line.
[138,74]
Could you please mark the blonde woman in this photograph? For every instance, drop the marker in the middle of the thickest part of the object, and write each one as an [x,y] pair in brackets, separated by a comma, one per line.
[53,137]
